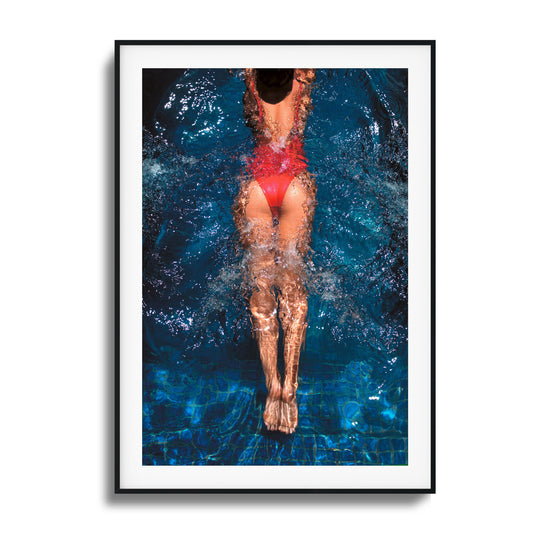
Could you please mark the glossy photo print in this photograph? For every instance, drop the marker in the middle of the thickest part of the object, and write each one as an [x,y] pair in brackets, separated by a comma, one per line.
[275,266]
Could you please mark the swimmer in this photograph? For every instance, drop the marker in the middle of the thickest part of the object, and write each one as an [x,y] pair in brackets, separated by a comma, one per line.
[273,213]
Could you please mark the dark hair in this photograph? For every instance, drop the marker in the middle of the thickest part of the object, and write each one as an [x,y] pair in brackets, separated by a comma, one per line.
[274,77]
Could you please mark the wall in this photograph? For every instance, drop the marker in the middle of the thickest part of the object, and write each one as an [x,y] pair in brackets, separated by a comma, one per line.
[57,146]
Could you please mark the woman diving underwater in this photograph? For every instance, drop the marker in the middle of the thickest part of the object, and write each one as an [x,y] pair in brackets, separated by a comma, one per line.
[273,213]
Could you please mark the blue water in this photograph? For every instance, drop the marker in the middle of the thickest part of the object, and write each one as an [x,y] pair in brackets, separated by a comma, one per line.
[203,386]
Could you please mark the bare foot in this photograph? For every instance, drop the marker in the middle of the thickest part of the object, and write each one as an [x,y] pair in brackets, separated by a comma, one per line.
[272,408]
[289,411]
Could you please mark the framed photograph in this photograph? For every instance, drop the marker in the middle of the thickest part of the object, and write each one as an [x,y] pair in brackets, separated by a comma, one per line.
[275,284]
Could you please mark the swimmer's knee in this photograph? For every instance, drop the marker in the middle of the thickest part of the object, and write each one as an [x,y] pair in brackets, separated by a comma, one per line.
[293,305]
[263,305]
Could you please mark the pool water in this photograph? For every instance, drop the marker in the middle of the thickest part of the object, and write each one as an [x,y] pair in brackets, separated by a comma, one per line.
[203,385]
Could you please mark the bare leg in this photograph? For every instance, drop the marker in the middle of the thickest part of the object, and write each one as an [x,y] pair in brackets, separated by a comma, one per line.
[293,314]
[253,218]
[263,307]
[294,235]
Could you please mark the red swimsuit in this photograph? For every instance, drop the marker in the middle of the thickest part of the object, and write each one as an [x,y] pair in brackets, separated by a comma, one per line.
[274,167]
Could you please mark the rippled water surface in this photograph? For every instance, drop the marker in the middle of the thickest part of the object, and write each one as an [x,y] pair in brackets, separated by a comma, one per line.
[203,386]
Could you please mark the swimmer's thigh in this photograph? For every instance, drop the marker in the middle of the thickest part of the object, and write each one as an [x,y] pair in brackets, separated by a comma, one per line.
[259,238]
[296,216]
[253,217]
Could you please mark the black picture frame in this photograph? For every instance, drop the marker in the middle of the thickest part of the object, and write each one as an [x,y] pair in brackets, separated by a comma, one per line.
[121,487]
